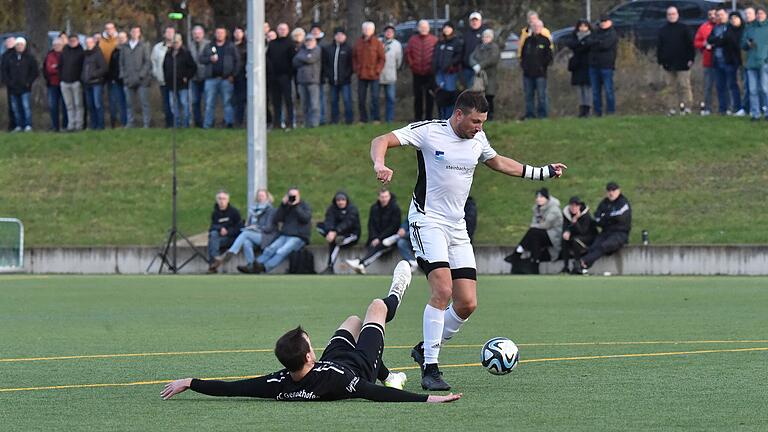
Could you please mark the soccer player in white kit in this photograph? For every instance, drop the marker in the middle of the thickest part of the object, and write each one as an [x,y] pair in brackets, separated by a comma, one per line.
[447,152]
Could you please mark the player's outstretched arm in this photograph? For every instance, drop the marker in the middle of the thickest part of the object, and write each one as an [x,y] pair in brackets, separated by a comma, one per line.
[252,387]
[444,399]
[379,147]
[377,393]
[173,388]
[514,168]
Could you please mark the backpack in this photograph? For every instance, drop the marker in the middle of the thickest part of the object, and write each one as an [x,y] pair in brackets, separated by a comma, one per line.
[301,261]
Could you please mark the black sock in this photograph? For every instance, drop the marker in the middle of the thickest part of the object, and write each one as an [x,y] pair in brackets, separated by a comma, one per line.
[392,302]
[383,372]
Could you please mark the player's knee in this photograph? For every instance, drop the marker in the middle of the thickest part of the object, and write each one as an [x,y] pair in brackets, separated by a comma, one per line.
[354,320]
[377,306]
[465,309]
[442,295]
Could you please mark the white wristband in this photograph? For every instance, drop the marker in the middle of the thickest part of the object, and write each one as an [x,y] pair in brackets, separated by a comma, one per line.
[537,173]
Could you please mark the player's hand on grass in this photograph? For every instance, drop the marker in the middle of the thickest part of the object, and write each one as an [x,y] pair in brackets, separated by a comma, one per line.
[383,174]
[444,399]
[559,168]
[173,388]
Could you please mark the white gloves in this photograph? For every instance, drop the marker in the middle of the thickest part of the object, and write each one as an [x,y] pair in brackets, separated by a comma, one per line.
[476,68]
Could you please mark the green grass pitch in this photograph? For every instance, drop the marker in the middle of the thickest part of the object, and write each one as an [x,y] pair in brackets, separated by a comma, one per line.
[599,353]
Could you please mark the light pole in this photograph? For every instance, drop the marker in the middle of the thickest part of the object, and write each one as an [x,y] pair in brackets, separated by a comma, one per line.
[256,76]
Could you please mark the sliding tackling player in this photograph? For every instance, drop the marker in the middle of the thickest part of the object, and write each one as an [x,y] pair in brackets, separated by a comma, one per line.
[348,368]
[447,152]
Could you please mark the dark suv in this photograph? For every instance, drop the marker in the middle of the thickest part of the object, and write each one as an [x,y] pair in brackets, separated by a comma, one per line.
[642,19]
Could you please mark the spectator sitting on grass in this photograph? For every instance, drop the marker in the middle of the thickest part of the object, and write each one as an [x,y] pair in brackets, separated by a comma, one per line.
[614,217]
[579,231]
[295,216]
[341,227]
[259,231]
[225,227]
[383,227]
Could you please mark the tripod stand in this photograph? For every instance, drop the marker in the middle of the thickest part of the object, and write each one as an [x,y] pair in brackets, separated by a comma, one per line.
[168,249]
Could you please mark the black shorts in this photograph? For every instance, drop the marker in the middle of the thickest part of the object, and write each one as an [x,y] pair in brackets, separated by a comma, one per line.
[363,357]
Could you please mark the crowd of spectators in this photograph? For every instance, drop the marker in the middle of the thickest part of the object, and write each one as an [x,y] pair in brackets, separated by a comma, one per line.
[115,72]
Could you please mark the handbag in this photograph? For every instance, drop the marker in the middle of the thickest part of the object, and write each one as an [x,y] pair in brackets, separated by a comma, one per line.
[480,83]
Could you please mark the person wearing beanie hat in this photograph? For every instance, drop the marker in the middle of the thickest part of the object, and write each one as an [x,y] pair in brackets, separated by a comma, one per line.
[614,217]
[579,231]
[19,72]
[446,63]
[341,227]
[337,72]
[542,240]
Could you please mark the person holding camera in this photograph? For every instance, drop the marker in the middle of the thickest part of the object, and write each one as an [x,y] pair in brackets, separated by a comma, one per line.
[295,217]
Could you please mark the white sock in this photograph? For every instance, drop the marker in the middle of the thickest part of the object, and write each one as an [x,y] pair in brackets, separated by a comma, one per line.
[452,323]
[433,330]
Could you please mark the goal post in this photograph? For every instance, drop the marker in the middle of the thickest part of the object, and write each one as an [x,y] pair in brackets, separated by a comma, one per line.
[11,245]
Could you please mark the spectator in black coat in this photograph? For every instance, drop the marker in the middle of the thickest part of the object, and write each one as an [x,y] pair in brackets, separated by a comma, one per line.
[614,217]
[383,226]
[341,227]
[470,217]
[603,46]
[280,57]
[94,70]
[226,223]
[222,62]
[727,62]
[118,106]
[675,53]
[535,59]
[472,38]
[70,70]
[20,70]
[579,231]
[578,65]
[186,69]
[446,62]
[337,71]
[10,43]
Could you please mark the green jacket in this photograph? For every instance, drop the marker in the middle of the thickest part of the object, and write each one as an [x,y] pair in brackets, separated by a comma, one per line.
[550,218]
[487,56]
[757,55]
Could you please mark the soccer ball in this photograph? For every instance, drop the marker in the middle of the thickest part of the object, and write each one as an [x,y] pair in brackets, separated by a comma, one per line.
[499,356]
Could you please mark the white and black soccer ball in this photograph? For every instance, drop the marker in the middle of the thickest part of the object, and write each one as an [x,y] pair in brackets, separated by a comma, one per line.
[499,356]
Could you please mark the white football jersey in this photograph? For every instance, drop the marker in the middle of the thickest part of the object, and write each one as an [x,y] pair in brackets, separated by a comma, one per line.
[446,166]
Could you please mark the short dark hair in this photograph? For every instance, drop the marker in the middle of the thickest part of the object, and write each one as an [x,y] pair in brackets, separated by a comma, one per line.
[292,349]
[469,100]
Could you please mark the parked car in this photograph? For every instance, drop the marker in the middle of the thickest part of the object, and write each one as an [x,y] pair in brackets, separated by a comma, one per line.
[509,53]
[642,19]
[406,29]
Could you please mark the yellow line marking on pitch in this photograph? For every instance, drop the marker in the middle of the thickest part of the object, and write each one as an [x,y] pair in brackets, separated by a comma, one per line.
[537,360]
[265,350]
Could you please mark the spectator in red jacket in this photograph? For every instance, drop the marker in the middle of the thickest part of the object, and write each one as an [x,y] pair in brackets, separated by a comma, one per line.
[53,81]
[418,54]
[368,62]
[700,43]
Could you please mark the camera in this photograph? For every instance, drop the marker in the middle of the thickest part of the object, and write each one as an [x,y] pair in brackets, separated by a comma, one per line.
[291,198]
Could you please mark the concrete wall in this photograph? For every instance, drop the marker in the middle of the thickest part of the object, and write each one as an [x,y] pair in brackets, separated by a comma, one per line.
[632,260]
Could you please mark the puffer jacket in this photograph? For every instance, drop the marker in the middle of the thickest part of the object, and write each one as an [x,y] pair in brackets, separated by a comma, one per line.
[448,55]
[548,217]
[584,228]
[614,216]
[19,72]
[344,221]
[94,67]
[487,56]
[393,59]
[368,58]
[700,43]
[384,221]
[419,53]
[308,65]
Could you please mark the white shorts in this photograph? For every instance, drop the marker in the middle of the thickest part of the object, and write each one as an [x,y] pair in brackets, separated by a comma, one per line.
[439,243]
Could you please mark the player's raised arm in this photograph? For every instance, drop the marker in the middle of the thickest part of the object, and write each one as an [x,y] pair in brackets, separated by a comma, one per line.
[514,168]
[379,147]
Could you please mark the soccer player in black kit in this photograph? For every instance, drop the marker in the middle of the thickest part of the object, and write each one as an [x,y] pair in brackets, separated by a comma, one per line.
[348,368]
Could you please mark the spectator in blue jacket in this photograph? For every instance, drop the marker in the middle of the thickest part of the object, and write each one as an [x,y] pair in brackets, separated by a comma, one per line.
[295,217]
[341,227]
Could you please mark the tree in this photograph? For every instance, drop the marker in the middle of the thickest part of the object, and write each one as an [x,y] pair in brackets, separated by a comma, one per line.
[37,16]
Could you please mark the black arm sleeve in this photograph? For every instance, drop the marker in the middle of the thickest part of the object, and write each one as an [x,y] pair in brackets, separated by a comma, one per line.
[376,393]
[253,387]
